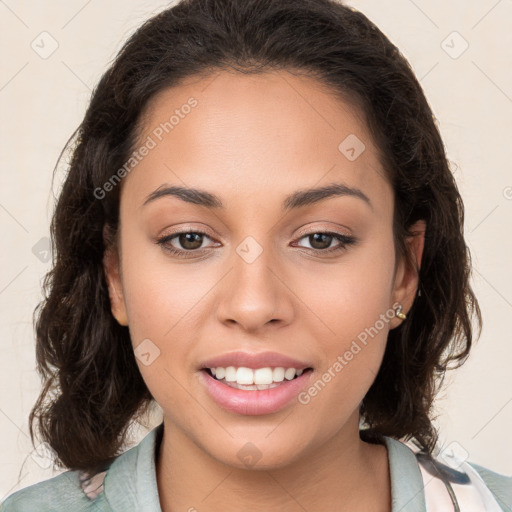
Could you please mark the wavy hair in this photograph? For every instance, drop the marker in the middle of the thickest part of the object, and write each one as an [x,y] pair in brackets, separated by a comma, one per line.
[92,388]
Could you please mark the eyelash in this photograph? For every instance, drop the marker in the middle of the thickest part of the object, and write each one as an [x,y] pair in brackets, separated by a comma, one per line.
[344,240]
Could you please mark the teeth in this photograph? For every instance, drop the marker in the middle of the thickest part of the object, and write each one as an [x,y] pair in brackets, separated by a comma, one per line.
[230,374]
[258,377]
[263,376]
[245,376]
[278,375]
[289,373]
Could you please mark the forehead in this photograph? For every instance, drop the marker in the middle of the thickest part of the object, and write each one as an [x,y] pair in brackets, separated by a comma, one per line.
[240,135]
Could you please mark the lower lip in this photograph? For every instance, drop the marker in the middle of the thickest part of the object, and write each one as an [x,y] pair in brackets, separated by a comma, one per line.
[256,402]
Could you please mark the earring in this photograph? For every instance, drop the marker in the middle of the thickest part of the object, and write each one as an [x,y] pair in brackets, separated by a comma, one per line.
[399,313]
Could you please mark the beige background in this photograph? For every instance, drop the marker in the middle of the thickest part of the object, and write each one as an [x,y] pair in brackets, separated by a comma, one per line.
[42,100]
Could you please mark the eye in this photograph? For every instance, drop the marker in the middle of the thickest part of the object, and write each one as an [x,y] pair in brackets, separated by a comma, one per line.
[190,242]
[321,241]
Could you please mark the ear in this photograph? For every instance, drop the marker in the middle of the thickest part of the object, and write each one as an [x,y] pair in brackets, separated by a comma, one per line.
[407,272]
[112,269]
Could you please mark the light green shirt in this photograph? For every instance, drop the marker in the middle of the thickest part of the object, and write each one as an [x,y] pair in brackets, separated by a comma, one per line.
[130,484]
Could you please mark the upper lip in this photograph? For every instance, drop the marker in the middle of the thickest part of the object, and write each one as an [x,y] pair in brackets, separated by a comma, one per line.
[254,360]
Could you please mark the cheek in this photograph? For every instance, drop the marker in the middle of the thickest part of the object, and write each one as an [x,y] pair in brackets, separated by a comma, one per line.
[160,305]
[354,306]
[159,295]
[350,296]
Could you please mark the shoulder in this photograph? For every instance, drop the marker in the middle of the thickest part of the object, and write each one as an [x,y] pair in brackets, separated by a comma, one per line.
[500,485]
[449,478]
[68,491]
[128,480]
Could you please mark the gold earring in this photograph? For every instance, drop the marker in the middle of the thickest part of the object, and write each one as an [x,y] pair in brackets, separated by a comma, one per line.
[399,313]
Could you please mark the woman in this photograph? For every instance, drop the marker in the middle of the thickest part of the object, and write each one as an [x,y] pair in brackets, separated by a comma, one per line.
[259,231]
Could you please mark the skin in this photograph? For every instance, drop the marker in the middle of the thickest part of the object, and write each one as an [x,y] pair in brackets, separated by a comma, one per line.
[252,140]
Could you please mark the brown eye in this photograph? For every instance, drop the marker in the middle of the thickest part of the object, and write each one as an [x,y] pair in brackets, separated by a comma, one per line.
[320,240]
[190,241]
[183,243]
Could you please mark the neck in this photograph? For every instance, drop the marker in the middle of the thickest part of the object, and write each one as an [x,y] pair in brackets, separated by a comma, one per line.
[344,473]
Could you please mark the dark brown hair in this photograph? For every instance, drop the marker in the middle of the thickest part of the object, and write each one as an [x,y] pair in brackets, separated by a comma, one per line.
[92,385]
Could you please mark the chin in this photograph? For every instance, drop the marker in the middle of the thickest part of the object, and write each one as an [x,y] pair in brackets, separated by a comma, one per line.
[257,454]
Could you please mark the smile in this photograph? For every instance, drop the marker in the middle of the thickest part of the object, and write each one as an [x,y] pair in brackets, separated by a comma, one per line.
[256,391]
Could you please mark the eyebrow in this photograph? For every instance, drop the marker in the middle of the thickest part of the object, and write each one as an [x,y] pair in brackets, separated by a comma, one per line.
[298,199]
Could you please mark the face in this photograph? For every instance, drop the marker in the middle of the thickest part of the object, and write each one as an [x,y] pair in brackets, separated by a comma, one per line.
[254,273]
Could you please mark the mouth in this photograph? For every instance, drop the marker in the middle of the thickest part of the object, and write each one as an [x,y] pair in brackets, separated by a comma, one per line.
[259,379]
[247,391]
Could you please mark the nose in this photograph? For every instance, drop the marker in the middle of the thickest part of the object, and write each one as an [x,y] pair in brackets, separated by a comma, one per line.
[255,293]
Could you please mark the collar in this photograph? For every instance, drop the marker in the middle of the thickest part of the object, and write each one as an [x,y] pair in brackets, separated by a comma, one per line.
[407,487]
[130,482]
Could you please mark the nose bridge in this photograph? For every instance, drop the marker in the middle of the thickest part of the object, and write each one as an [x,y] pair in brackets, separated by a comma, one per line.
[252,262]
[253,295]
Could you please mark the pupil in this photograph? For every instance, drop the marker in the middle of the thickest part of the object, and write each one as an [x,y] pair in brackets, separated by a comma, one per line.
[190,240]
[322,237]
